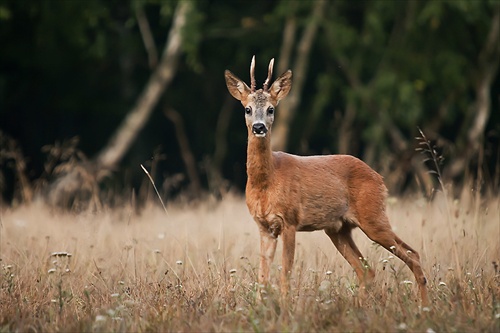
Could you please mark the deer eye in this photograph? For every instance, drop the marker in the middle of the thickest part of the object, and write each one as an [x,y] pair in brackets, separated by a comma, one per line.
[270,110]
[248,110]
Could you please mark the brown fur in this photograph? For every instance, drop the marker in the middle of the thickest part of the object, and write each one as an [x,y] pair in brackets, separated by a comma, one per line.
[287,193]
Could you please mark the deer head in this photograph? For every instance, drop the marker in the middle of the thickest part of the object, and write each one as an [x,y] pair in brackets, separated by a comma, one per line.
[259,104]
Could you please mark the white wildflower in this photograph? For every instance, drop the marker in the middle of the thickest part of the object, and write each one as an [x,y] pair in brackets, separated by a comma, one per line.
[61,254]
[100,318]
[402,327]
[324,286]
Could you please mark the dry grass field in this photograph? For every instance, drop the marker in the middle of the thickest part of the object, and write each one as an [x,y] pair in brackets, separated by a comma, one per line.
[195,270]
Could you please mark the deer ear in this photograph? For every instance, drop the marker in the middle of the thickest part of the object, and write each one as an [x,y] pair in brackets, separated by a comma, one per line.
[237,88]
[281,87]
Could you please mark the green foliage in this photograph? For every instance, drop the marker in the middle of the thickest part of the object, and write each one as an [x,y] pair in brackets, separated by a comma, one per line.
[192,38]
[77,67]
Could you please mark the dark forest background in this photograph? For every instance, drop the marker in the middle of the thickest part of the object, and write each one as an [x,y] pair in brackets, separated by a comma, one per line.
[90,90]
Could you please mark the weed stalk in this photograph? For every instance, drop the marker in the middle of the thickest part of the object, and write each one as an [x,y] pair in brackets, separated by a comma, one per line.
[154,186]
[430,150]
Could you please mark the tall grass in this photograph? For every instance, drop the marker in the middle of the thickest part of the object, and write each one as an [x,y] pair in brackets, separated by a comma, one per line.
[196,269]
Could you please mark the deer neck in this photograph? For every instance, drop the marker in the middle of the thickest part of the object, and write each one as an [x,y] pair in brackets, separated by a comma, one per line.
[260,166]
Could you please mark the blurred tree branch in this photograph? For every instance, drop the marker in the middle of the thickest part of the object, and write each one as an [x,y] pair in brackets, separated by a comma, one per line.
[289,106]
[108,158]
[147,36]
[126,133]
[288,40]
[487,69]
[215,164]
[186,152]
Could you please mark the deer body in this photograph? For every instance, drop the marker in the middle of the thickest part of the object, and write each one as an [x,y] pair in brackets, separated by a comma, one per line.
[286,193]
[313,192]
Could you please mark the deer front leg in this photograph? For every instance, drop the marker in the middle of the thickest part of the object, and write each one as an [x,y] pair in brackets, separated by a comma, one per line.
[288,256]
[268,243]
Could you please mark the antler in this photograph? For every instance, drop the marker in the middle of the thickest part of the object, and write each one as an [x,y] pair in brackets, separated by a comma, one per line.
[252,75]
[269,74]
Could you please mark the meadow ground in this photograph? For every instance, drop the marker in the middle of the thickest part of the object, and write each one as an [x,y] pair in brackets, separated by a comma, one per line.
[195,270]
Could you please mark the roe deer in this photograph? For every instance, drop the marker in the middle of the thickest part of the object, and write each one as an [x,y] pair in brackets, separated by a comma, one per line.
[287,193]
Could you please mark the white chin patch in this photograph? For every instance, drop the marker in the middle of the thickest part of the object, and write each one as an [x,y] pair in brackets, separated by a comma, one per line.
[260,135]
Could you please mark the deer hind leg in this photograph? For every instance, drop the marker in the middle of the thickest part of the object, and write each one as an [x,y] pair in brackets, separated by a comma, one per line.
[381,232]
[343,242]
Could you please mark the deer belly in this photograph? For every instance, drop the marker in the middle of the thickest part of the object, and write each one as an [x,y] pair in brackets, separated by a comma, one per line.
[319,217]
[335,224]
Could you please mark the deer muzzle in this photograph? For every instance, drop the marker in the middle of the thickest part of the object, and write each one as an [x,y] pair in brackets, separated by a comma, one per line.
[259,129]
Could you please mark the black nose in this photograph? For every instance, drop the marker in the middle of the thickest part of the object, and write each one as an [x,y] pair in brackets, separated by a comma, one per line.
[259,128]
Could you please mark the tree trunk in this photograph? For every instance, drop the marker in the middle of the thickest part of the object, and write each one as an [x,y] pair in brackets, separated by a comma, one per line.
[216,181]
[147,36]
[289,105]
[488,62]
[70,184]
[186,153]
[128,130]
[287,43]
[345,129]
